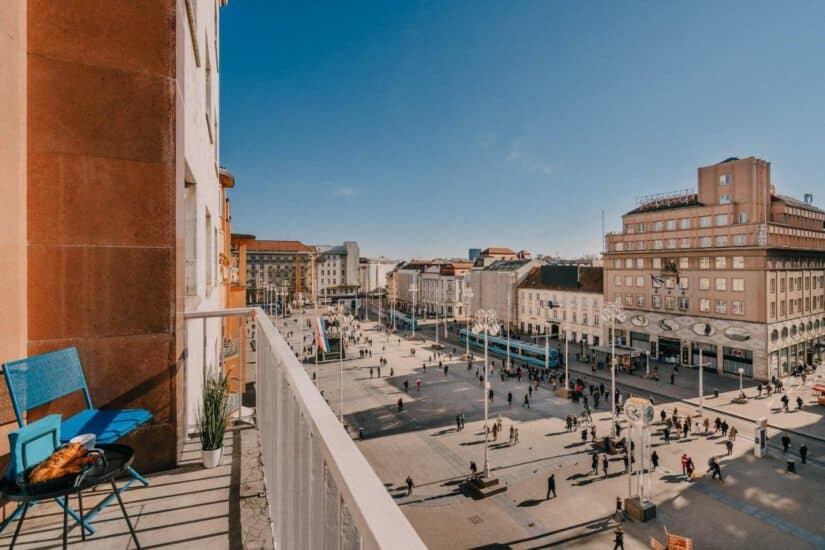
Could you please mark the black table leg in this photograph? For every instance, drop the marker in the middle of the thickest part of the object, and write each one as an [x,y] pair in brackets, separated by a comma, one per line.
[82,524]
[66,522]
[25,506]
[125,515]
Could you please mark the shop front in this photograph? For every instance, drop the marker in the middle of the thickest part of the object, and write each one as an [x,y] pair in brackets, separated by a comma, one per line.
[670,350]
[709,356]
[734,358]
[640,340]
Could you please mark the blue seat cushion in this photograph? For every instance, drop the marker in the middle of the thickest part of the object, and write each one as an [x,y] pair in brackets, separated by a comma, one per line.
[108,426]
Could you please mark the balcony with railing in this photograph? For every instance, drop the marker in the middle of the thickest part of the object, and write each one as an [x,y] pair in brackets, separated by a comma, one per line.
[291,476]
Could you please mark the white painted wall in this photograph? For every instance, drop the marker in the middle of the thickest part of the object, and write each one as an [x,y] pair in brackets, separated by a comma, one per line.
[203,193]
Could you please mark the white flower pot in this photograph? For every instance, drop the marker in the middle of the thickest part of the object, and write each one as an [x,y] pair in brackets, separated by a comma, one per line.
[212,459]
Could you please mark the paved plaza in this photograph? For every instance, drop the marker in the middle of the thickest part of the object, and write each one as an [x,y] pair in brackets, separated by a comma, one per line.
[757,501]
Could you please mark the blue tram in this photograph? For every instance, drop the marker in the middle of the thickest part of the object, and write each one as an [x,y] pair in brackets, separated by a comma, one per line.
[519,351]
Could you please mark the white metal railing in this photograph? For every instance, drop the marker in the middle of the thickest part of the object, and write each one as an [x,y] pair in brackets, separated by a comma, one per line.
[321,491]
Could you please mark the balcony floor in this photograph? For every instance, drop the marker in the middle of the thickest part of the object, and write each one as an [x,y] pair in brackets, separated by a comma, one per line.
[189,507]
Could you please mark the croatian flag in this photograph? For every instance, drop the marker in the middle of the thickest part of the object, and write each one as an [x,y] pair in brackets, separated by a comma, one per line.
[321,335]
[657,280]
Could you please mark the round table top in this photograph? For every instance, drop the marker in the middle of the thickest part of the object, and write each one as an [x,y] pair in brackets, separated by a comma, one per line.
[118,459]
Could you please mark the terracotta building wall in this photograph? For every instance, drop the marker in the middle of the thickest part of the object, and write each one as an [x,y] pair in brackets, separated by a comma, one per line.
[105,206]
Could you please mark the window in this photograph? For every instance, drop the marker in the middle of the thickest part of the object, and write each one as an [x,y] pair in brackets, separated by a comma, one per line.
[721,219]
[658,226]
[620,247]
[628,280]
[738,285]
[705,242]
[721,262]
[671,243]
[669,302]
[721,306]
[640,301]
[773,285]
[684,223]
[656,300]
[670,282]
[640,263]
[617,264]
[658,244]
[683,282]
[742,217]
[705,221]
[684,262]
[617,280]
[640,245]
[628,300]
[670,224]
[683,303]
[704,305]
[640,228]
[773,309]
[628,228]
[724,199]
[737,307]
[684,243]
[721,240]
[640,281]
[704,262]
[704,283]
[724,179]
[721,283]
[782,284]
[782,307]
[628,263]
[740,240]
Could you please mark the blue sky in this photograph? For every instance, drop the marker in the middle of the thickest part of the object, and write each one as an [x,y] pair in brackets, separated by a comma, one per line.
[422,129]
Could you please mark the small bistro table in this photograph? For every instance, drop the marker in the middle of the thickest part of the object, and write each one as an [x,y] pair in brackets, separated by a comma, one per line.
[117,459]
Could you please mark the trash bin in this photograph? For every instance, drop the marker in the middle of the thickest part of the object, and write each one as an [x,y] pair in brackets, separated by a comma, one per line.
[791,465]
[715,392]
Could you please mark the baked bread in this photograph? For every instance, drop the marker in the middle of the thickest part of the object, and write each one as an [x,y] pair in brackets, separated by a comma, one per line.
[65,461]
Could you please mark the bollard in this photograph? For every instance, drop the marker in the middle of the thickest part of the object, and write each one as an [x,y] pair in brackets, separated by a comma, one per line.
[791,465]
[715,392]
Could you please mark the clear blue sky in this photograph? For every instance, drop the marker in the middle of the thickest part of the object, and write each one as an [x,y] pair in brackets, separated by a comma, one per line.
[426,128]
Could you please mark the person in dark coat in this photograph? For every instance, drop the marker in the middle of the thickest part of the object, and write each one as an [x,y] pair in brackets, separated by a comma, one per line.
[618,538]
[551,486]
[786,442]
[654,459]
[803,453]
[410,485]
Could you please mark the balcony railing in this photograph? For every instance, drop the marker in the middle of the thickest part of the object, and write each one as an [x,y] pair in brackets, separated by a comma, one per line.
[321,491]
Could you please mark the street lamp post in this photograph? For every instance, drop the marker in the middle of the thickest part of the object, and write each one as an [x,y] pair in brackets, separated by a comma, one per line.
[612,311]
[485,321]
[741,389]
[285,288]
[468,302]
[413,294]
[701,383]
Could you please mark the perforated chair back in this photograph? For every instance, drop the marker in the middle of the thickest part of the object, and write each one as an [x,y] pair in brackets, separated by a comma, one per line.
[41,379]
[32,444]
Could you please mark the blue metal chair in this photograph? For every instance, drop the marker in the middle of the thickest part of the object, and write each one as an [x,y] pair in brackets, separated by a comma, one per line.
[41,379]
[28,446]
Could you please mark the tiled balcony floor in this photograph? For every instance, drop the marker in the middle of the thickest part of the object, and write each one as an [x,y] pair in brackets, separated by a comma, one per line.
[189,507]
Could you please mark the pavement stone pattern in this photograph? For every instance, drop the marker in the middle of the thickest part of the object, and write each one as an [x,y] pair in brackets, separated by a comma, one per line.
[758,500]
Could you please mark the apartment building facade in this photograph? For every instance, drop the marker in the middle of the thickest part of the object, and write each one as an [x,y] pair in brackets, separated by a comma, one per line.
[281,272]
[372,273]
[495,287]
[576,291]
[441,289]
[734,269]
[337,271]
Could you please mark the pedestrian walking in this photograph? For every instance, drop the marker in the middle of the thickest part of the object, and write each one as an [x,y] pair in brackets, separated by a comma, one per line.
[473,469]
[717,424]
[605,464]
[515,437]
[526,401]
[509,398]
[551,486]
[724,428]
[462,420]
[729,446]
[410,485]
[684,461]
[458,422]
[594,464]
[593,433]
[784,401]
[803,453]
[786,442]
[714,469]
[654,459]
[512,434]
[495,432]
[686,428]
[732,433]
[400,405]
[759,389]
[799,403]
[370,372]
[706,424]
[663,415]
[618,538]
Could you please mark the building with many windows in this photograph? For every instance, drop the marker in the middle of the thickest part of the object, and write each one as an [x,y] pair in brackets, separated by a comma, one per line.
[735,270]
[495,287]
[276,271]
[372,273]
[562,300]
[441,289]
[337,271]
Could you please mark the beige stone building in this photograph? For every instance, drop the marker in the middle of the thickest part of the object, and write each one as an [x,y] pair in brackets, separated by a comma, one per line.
[735,269]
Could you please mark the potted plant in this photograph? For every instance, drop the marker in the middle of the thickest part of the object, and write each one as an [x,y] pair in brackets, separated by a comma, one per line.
[213,418]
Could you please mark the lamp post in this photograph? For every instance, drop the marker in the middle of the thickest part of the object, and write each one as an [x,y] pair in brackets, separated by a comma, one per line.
[285,289]
[342,315]
[612,311]
[485,321]
[741,389]
[468,302]
[413,294]
[701,383]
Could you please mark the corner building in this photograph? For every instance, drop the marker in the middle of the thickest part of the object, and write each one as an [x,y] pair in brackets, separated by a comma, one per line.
[735,269]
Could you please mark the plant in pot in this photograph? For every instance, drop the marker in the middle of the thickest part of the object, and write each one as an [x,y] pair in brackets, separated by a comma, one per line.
[213,418]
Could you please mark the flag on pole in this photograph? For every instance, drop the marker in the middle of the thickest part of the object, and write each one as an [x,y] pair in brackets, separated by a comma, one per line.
[657,279]
[321,337]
